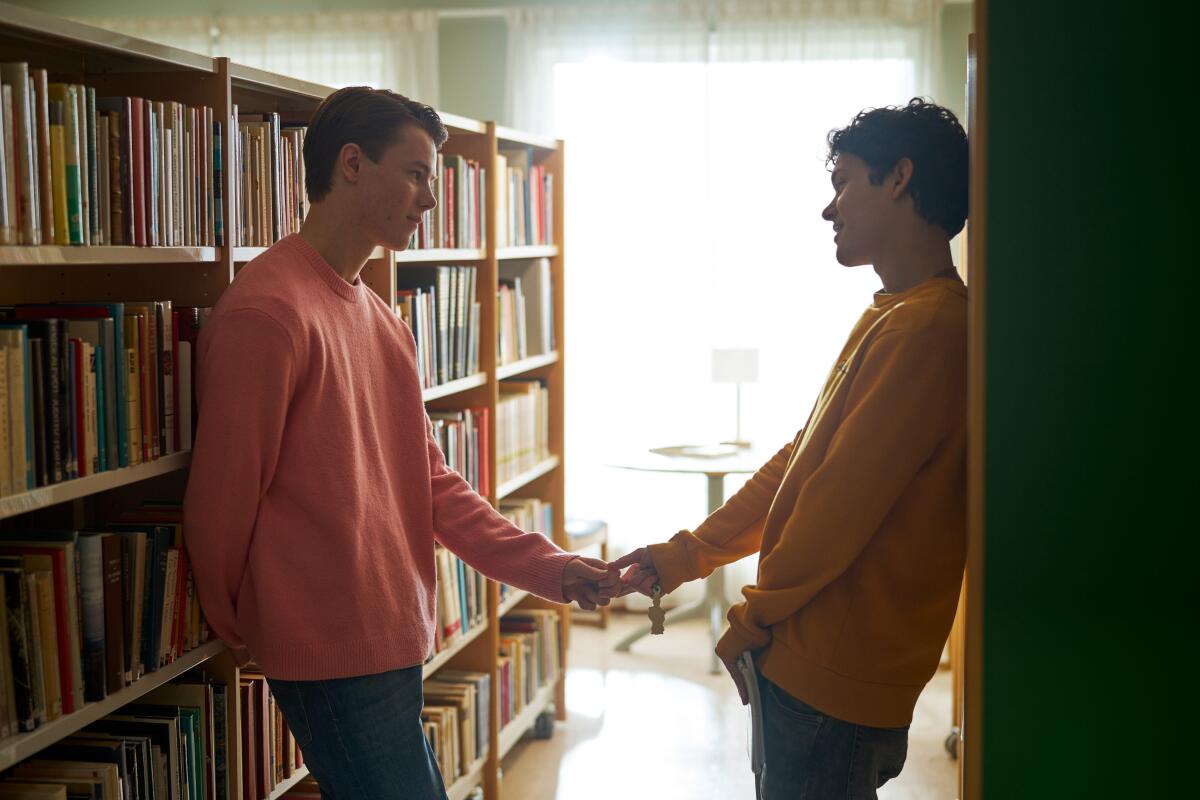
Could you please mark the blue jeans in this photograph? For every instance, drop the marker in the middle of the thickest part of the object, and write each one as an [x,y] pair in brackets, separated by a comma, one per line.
[362,737]
[813,756]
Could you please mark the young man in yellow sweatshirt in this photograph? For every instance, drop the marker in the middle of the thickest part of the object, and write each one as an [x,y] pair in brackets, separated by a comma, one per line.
[860,521]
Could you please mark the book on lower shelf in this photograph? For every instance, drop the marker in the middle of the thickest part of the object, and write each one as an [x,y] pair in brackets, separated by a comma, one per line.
[83,169]
[455,718]
[90,612]
[530,657]
[170,744]
[461,599]
[269,754]
[463,438]
[525,310]
[438,304]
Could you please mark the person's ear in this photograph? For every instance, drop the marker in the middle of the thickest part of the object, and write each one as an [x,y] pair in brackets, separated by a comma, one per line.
[900,178]
[350,162]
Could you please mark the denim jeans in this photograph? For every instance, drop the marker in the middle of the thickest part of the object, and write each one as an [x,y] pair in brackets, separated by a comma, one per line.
[362,737]
[813,756]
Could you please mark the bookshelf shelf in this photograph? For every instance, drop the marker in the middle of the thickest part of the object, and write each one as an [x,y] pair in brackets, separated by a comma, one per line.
[527,251]
[44,496]
[288,783]
[454,387]
[507,136]
[512,601]
[441,659]
[22,746]
[511,733]
[527,477]
[526,365]
[439,255]
[472,778]
[20,256]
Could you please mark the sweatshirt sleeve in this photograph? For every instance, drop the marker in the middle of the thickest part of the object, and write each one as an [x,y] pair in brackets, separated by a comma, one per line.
[469,527]
[731,532]
[895,416]
[246,375]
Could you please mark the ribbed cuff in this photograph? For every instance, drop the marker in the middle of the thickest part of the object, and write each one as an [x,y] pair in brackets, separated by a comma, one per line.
[672,562]
[544,576]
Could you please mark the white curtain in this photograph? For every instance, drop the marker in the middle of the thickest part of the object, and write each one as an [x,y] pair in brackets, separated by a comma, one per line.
[386,49]
[695,144]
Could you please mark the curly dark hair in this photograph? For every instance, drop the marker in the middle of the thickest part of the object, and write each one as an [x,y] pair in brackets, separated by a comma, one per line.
[370,118]
[931,137]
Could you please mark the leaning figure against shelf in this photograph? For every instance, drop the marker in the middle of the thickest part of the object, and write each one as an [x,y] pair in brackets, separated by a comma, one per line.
[317,490]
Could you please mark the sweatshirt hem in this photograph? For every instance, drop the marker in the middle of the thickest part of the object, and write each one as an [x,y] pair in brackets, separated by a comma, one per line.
[310,661]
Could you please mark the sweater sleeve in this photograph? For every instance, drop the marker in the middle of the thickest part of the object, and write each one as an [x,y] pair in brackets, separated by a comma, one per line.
[245,380]
[469,527]
[731,532]
[894,418]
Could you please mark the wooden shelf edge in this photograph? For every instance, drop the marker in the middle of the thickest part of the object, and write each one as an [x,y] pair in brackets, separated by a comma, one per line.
[513,136]
[511,602]
[511,733]
[527,477]
[526,365]
[470,779]
[115,255]
[441,659]
[527,251]
[44,496]
[439,254]
[454,387]
[261,79]
[288,783]
[22,746]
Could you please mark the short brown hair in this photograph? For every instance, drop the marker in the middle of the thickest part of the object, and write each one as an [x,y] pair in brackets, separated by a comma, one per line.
[369,118]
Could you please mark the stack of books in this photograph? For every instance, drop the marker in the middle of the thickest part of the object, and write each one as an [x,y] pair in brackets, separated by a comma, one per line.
[170,745]
[522,428]
[530,657]
[269,200]
[525,307]
[525,200]
[87,388]
[455,718]
[463,437]
[438,304]
[90,612]
[459,220]
[461,599]
[82,169]
[269,751]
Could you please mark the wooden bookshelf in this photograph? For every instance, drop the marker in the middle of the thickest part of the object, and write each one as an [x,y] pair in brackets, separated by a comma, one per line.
[288,783]
[44,496]
[118,64]
[22,746]
[515,596]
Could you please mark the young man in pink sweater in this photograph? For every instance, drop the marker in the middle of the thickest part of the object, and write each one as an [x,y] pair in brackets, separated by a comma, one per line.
[317,490]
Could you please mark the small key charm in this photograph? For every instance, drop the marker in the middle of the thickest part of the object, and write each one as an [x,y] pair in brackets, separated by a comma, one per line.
[657,615]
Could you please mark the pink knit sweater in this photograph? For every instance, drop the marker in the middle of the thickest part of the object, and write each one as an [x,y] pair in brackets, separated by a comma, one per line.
[316,488]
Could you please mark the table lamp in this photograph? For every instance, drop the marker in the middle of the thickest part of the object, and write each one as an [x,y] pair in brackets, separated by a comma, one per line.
[738,367]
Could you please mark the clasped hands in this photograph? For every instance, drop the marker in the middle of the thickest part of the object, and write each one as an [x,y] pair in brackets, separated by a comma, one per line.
[591,582]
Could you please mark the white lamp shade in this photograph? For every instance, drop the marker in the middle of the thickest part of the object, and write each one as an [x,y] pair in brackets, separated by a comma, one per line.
[735,366]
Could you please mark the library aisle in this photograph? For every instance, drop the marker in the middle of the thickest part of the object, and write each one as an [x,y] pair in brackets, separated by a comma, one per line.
[656,723]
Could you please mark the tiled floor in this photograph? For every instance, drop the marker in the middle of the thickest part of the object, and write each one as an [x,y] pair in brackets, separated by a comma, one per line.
[653,723]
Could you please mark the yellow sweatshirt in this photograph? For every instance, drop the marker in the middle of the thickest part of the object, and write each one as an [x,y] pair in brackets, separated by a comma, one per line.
[860,522]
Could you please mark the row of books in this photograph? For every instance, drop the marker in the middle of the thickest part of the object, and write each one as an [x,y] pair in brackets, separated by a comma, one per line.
[459,219]
[530,657]
[82,169]
[455,718]
[170,745]
[524,310]
[522,427]
[90,612]
[269,751]
[461,599]
[439,306]
[87,388]
[525,200]
[268,195]
[463,437]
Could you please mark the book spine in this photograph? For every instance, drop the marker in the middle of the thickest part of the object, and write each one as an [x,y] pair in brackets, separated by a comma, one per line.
[93,171]
[41,88]
[218,183]
[9,226]
[91,574]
